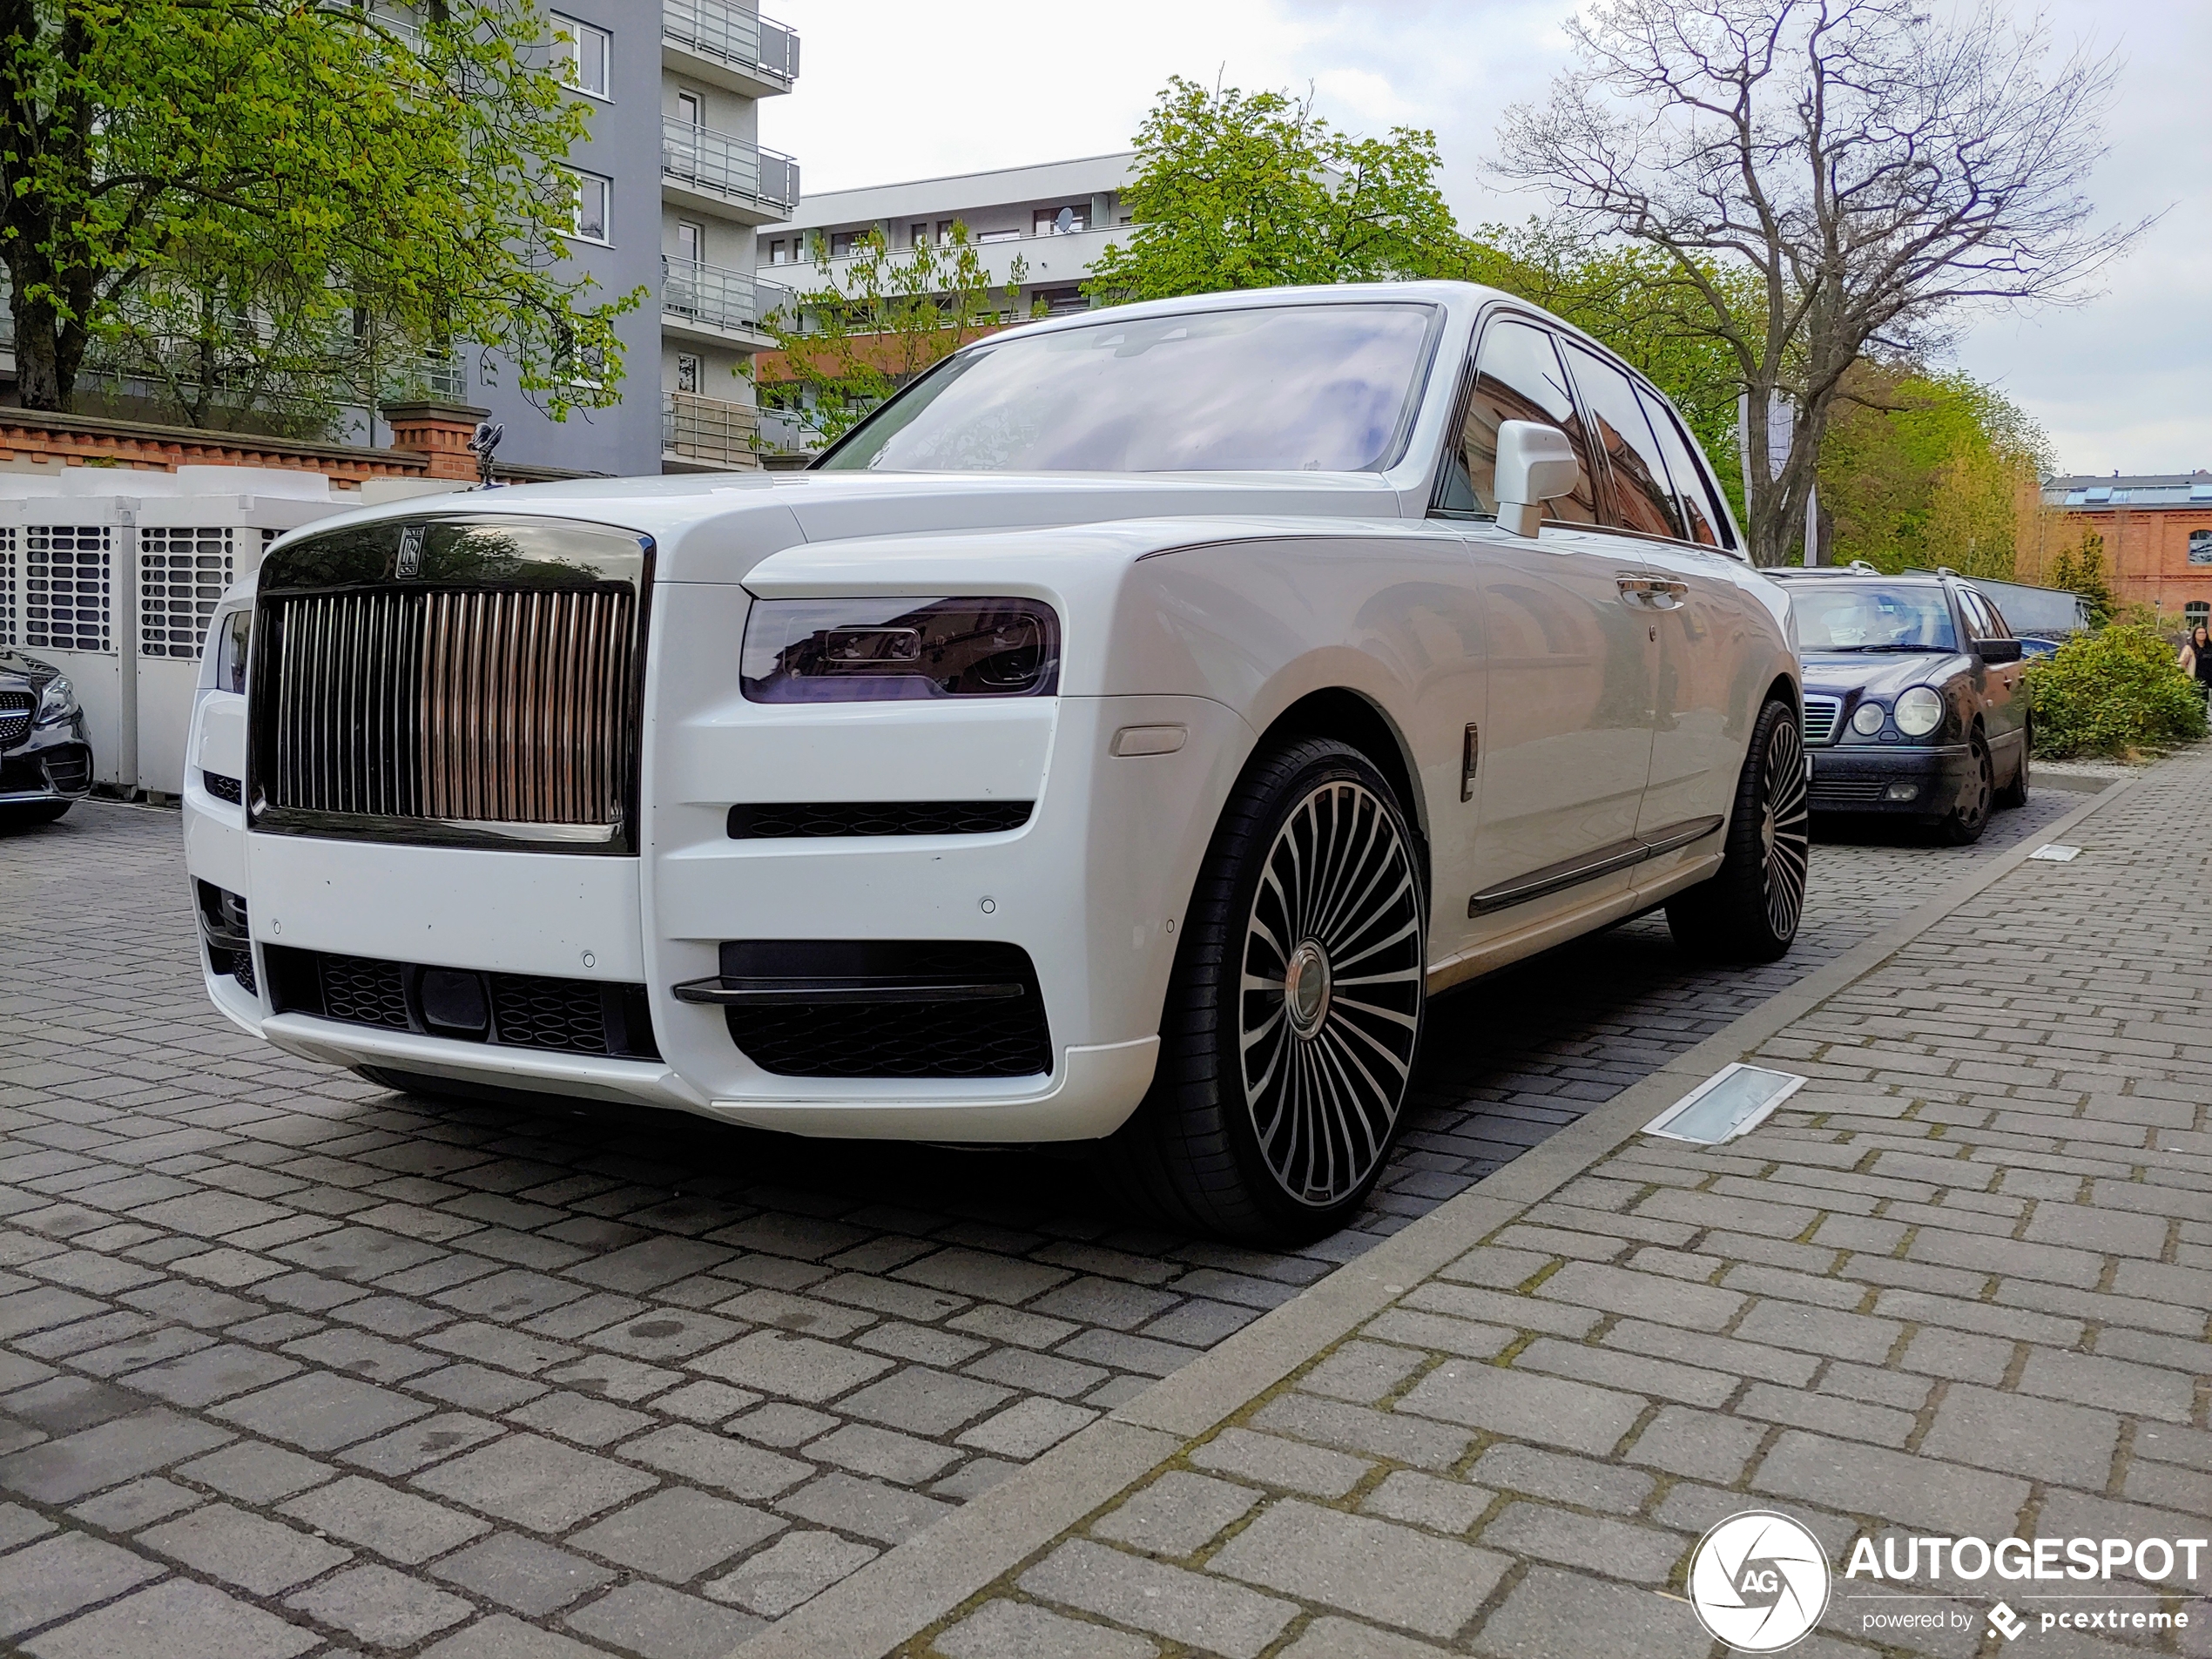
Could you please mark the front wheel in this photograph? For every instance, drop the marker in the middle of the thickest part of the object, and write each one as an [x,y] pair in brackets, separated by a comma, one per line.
[1294,1011]
[1963,825]
[1750,909]
[2015,792]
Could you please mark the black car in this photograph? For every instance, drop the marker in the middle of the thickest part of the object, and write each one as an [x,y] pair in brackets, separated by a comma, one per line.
[1915,701]
[46,763]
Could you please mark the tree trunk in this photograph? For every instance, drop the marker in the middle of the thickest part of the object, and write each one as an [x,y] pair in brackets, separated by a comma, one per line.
[42,379]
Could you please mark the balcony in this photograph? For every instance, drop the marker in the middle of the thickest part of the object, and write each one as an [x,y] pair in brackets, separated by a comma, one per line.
[702,433]
[706,302]
[703,168]
[729,46]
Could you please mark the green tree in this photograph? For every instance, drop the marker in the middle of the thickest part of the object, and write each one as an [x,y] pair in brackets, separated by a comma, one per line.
[1236,190]
[847,343]
[2080,570]
[247,199]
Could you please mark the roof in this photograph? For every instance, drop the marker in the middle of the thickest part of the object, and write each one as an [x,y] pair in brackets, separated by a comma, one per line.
[2091,491]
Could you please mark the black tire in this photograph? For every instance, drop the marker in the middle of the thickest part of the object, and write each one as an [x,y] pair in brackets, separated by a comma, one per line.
[37,812]
[1277,1096]
[1963,825]
[1748,909]
[2015,792]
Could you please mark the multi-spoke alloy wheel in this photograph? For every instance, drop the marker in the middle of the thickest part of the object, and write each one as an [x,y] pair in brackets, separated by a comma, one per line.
[1750,909]
[1785,829]
[1294,1011]
[1330,1001]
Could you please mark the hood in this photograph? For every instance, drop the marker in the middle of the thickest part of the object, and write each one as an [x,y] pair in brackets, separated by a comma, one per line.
[1879,673]
[18,671]
[709,527]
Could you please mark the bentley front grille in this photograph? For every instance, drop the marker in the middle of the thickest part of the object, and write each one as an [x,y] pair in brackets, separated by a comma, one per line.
[477,705]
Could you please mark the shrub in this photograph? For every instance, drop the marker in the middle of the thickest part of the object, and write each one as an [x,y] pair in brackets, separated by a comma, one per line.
[2111,693]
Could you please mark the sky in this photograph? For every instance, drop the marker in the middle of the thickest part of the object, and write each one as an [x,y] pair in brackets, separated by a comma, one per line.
[890,89]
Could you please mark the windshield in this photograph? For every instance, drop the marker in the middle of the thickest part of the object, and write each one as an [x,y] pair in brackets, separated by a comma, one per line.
[1858,617]
[1270,389]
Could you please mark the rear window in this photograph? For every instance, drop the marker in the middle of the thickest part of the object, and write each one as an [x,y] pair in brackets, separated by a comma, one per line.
[1264,388]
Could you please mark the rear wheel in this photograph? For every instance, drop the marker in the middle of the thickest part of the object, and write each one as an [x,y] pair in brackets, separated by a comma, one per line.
[1294,1011]
[1748,910]
[1963,825]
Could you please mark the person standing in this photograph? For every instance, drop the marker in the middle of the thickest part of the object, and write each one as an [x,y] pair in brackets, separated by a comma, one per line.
[2197,662]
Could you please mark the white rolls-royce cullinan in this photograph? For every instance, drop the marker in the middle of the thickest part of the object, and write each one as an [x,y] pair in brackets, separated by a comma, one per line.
[1117,737]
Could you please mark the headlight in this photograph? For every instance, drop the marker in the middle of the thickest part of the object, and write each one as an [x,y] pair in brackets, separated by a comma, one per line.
[57,702]
[1919,712]
[1867,720]
[868,650]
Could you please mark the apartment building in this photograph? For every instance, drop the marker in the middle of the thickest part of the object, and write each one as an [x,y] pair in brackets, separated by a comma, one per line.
[2157,533]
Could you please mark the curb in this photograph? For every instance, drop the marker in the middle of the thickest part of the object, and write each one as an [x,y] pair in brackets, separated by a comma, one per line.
[909,1589]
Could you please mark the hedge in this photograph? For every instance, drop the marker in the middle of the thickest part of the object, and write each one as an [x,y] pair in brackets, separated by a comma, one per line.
[2112,692]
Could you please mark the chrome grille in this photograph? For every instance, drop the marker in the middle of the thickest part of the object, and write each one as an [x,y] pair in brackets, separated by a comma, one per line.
[15,714]
[1820,718]
[471,705]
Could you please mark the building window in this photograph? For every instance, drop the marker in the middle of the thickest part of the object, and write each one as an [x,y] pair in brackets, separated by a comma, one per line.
[687,373]
[688,110]
[945,233]
[778,253]
[999,236]
[1062,221]
[691,242]
[2197,610]
[2201,546]
[918,234]
[592,193]
[580,52]
[843,243]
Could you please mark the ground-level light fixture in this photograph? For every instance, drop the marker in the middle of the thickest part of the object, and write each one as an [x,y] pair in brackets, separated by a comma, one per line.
[1734,1101]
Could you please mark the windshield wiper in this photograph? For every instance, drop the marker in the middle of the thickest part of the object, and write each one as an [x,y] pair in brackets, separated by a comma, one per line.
[1822,648]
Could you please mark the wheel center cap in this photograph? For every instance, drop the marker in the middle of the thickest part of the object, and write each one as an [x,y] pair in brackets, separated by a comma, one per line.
[1306,983]
[1766,830]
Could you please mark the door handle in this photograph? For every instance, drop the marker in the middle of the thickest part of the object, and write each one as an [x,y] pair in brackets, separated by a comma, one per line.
[1667,594]
[1636,589]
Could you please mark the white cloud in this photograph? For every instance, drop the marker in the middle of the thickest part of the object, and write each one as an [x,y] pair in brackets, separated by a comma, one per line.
[895,91]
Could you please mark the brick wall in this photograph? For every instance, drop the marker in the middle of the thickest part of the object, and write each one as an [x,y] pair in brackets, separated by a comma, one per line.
[2147,552]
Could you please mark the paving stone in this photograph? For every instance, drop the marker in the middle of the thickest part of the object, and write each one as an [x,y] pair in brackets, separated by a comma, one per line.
[476,1388]
[64,1470]
[984,1276]
[1372,1568]
[419,1444]
[780,1423]
[320,1412]
[396,1525]
[1550,1613]
[1028,1427]
[1395,1435]
[2020,1435]
[716,1460]
[1176,1514]
[1441,1506]
[520,1572]
[659,1623]
[2115,1385]
[579,1417]
[201,1379]
[924,1401]
[925,1345]
[1701,1445]
[1696,1307]
[884,1454]
[1546,1409]
[1915,1490]
[1361,1372]
[706,1402]
[51,1579]
[1533,1472]
[1845,1336]
[1017,1630]
[614,1377]
[1038,1374]
[501,1637]
[1613,1547]
[19,1526]
[795,1568]
[677,1534]
[176,1620]
[534,1482]
[1333,1638]
[1203,1612]
[651,1263]
[1272,1460]
[384,1609]
[888,1514]
[140,1504]
[780,1362]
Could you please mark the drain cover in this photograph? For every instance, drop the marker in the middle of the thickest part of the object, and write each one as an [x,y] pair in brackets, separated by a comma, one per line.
[1733,1101]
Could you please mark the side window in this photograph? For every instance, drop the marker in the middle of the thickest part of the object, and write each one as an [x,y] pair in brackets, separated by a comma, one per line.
[1517,378]
[1694,486]
[1643,497]
[1982,620]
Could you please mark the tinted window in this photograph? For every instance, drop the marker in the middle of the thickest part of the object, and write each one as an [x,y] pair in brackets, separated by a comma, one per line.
[1643,496]
[1275,388]
[1854,616]
[1694,487]
[1983,621]
[1517,378]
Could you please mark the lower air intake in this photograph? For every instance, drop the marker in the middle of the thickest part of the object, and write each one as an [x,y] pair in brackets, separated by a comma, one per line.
[509,1010]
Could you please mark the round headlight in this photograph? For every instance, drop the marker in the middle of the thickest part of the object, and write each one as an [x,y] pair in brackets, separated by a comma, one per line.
[1868,719]
[1919,712]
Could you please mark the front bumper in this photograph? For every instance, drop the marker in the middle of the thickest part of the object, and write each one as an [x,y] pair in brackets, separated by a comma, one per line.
[1909,779]
[51,762]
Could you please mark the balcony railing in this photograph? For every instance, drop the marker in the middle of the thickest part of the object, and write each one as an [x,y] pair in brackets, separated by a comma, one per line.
[716,163]
[706,428]
[715,297]
[735,36]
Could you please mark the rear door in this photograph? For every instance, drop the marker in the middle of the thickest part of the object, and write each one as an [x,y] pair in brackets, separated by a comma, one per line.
[1568,743]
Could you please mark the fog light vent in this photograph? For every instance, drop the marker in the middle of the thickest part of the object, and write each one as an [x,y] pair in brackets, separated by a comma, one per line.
[1901,792]
[1734,1101]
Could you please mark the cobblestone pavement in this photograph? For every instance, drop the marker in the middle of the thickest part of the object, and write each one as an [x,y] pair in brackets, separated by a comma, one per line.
[1960,1286]
[288,1361]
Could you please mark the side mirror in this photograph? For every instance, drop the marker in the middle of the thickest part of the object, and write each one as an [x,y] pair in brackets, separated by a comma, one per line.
[1536,462]
[1998,651]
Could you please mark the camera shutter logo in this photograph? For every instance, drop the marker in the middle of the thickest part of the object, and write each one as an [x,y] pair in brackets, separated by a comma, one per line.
[1758,1581]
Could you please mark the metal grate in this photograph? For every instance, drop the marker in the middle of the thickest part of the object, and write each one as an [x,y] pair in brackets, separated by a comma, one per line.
[527,1011]
[1821,714]
[466,705]
[182,576]
[9,625]
[533,1013]
[362,991]
[67,587]
[1839,790]
[811,819]
[224,788]
[15,709]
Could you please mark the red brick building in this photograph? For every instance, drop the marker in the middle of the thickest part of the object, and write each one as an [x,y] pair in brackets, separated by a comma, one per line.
[2157,532]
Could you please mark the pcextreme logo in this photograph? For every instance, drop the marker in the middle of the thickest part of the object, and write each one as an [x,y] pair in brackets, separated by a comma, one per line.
[1758,1581]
